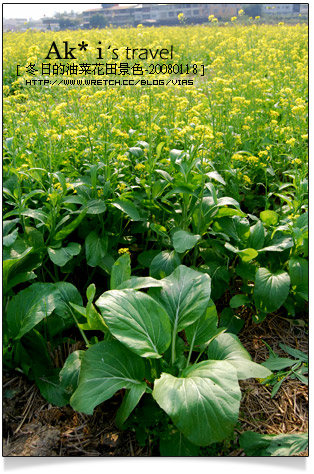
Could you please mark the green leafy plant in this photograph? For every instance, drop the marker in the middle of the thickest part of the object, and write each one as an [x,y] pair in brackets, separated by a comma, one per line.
[157,340]
[37,318]
[285,368]
[256,444]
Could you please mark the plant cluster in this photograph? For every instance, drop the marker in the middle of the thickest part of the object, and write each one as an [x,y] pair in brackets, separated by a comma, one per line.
[129,216]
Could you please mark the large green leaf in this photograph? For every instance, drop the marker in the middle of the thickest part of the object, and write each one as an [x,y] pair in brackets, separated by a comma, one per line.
[17,260]
[96,248]
[130,400]
[34,238]
[96,206]
[8,225]
[216,176]
[164,263]
[69,228]
[107,367]
[269,217]
[67,293]
[229,348]
[36,214]
[136,151]
[204,329]
[175,444]
[220,276]
[120,271]
[63,255]
[31,354]
[51,389]
[236,227]
[9,239]
[299,274]
[278,243]
[271,289]
[70,372]
[257,236]
[203,403]
[227,201]
[256,444]
[203,215]
[302,221]
[246,254]
[37,302]
[137,321]
[138,283]
[231,321]
[183,240]
[229,212]
[30,306]
[185,296]
[239,300]
[128,208]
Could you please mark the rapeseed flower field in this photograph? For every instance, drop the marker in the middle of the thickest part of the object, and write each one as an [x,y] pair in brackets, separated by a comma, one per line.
[253,94]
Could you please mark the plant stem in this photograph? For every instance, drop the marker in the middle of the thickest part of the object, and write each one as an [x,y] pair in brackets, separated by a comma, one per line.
[190,351]
[90,278]
[173,346]
[199,355]
[81,330]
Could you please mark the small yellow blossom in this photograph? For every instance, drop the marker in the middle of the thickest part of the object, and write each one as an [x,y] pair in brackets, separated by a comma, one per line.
[122,251]
[121,186]
[297,161]
[139,167]
[246,179]
[122,158]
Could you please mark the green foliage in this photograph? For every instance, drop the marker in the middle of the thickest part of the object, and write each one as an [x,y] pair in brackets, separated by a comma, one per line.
[97,21]
[106,368]
[271,289]
[285,368]
[145,326]
[129,215]
[256,444]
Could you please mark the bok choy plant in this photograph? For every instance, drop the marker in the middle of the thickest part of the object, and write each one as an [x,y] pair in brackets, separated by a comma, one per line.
[166,342]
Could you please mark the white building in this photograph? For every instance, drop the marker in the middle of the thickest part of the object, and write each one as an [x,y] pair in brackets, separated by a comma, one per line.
[284,8]
[162,13]
[13,24]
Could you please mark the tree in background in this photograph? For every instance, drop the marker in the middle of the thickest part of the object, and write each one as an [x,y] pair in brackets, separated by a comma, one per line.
[97,21]
[253,9]
[65,23]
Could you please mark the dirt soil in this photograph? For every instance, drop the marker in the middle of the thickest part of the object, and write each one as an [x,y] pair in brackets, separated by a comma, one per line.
[33,427]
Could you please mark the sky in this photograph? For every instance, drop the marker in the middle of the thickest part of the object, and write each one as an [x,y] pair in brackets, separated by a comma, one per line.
[38,10]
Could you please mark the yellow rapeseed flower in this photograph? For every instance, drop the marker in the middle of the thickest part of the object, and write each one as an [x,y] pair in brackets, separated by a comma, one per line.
[122,251]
